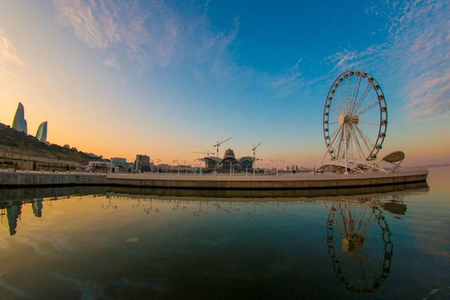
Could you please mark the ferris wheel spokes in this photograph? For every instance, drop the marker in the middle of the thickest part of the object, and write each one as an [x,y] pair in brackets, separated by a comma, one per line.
[339,102]
[363,97]
[335,113]
[369,123]
[358,146]
[366,109]
[355,95]
[365,140]
[330,144]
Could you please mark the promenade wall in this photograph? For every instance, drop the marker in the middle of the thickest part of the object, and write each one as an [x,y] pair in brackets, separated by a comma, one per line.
[36,179]
[173,181]
[298,181]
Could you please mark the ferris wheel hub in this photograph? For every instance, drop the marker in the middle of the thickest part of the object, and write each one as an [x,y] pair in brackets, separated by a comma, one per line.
[348,119]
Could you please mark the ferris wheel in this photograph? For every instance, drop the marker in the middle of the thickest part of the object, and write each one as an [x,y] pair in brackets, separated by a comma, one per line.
[354,117]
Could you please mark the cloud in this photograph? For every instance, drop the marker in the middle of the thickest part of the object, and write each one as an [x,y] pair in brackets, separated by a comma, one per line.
[112,62]
[353,59]
[290,81]
[8,52]
[142,35]
[218,45]
[147,33]
[415,56]
[92,22]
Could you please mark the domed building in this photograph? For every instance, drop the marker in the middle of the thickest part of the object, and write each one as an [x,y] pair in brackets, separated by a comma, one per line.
[228,162]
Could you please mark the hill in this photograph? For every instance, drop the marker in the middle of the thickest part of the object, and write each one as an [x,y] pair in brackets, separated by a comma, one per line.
[26,152]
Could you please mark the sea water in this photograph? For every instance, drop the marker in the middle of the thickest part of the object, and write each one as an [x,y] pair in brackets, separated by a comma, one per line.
[105,243]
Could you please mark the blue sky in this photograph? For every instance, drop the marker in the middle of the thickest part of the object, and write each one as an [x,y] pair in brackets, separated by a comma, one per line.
[166,78]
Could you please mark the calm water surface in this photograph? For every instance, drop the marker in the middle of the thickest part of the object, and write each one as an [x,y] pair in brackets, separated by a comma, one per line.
[99,243]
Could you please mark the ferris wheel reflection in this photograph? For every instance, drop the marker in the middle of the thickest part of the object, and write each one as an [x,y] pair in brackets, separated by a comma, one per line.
[359,245]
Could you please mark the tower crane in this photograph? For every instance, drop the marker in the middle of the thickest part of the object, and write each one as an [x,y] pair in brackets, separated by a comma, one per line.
[220,143]
[254,149]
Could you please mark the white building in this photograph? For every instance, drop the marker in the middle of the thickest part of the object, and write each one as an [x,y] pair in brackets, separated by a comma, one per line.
[102,167]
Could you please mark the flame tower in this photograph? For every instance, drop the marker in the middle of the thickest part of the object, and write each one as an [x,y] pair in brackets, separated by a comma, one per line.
[41,133]
[19,122]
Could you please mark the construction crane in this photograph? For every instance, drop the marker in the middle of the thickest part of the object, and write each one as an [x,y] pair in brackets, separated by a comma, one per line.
[204,153]
[220,143]
[254,149]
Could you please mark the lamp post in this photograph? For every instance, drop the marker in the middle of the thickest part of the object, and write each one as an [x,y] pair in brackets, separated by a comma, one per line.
[158,161]
[276,161]
[254,164]
[178,165]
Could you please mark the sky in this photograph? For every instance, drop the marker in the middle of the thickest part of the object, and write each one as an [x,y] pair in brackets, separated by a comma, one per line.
[168,78]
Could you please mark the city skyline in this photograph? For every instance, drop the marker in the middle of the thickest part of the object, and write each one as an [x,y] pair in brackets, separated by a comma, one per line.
[166,79]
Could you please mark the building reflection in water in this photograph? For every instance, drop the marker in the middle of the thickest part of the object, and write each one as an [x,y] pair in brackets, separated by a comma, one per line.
[14,211]
[353,225]
[37,208]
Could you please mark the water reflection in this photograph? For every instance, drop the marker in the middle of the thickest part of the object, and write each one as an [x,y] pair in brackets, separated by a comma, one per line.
[363,265]
[360,266]
[136,243]
[205,230]
[387,197]
[15,194]
[37,208]
[13,213]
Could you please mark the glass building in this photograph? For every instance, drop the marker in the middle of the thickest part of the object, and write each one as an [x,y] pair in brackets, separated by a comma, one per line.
[19,122]
[41,133]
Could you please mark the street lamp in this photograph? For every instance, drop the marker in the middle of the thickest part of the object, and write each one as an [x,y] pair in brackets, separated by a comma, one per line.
[254,164]
[276,161]
[178,165]
[158,161]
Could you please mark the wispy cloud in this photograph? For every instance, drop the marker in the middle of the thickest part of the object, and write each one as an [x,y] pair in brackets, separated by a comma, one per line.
[8,52]
[422,44]
[147,33]
[290,81]
[112,62]
[415,56]
[218,47]
[351,59]
[119,27]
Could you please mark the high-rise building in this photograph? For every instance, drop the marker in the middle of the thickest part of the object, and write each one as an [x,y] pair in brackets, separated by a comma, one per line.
[41,133]
[142,163]
[19,122]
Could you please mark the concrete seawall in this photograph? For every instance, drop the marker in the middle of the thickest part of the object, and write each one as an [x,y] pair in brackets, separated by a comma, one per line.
[298,181]
[219,182]
[37,179]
